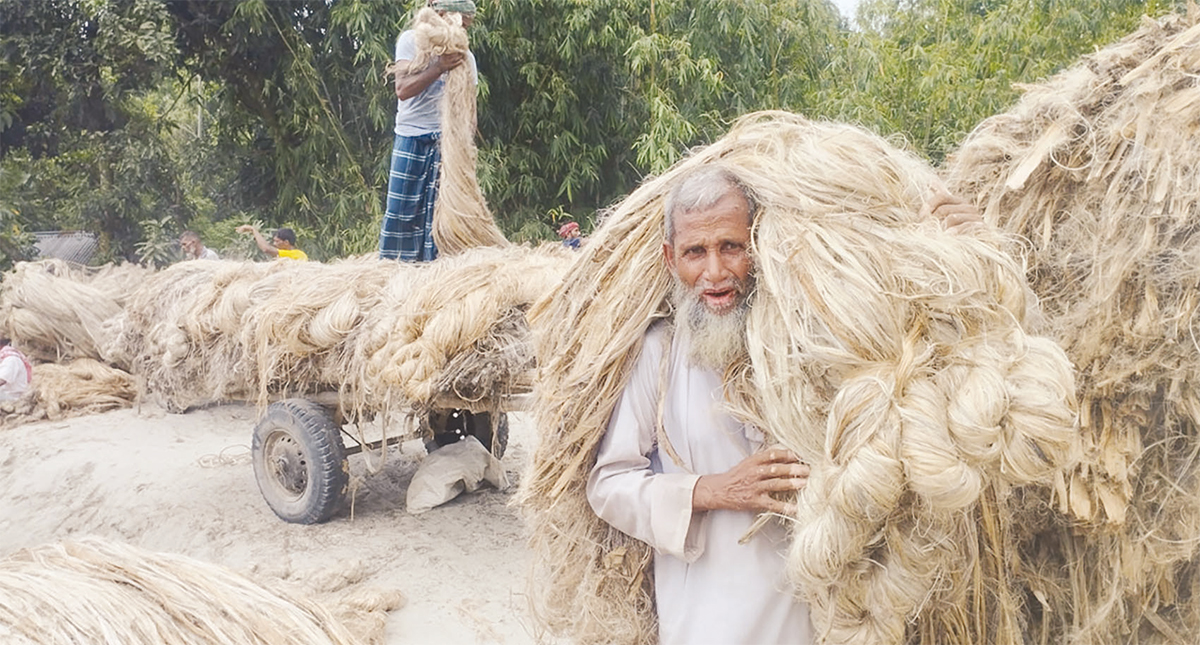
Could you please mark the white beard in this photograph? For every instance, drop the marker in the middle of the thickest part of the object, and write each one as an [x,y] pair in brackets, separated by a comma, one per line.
[717,340]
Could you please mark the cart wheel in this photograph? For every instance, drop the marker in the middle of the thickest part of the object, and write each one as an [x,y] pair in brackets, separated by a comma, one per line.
[300,461]
[450,426]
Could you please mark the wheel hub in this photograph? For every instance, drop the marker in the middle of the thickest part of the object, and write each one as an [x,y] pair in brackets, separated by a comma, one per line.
[288,467]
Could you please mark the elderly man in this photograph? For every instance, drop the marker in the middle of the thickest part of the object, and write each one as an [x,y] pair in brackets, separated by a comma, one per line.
[694,491]
[407,232]
[282,244]
[692,488]
[194,249]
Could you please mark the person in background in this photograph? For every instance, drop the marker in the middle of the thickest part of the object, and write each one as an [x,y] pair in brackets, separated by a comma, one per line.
[282,244]
[194,249]
[569,233]
[16,373]
[407,232]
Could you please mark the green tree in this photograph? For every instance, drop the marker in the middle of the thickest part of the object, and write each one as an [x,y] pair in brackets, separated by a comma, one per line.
[932,69]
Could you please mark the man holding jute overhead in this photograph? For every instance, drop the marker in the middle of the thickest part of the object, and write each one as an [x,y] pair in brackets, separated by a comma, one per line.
[407,232]
[675,469]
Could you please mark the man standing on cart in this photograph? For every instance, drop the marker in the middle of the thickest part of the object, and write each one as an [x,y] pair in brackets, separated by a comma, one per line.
[407,232]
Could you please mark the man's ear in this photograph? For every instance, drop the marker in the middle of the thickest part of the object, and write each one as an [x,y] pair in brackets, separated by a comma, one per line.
[669,256]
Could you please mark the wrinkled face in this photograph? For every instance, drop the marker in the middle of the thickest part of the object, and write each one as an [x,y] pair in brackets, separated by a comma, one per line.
[710,254]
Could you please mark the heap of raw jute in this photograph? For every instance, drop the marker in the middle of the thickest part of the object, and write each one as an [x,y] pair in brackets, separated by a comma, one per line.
[461,219]
[884,350]
[385,335]
[97,591]
[53,310]
[1098,170]
[82,386]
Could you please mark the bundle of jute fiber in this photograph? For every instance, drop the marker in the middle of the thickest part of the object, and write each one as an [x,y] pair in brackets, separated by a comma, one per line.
[54,311]
[98,591]
[82,386]
[180,332]
[455,326]
[886,352]
[1097,169]
[461,219]
[380,333]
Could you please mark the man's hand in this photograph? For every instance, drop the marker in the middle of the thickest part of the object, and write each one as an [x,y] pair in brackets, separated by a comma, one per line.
[955,214]
[448,61]
[748,485]
[246,228]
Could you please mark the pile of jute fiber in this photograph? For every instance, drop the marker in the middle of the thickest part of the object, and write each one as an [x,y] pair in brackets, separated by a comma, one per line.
[461,219]
[53,310]
[1097,170]
[884,350]
[60,390]
[97,591]
[382,334]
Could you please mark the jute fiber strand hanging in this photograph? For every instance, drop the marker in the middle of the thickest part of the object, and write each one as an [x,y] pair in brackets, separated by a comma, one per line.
[106,593]
[53,310]
[461,219]
[1098,171]
[884,350]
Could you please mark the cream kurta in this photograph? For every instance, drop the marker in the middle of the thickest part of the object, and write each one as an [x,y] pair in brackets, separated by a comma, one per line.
[709,588]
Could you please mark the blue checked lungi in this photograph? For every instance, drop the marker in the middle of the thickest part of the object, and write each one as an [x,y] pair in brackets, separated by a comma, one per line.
[407,232]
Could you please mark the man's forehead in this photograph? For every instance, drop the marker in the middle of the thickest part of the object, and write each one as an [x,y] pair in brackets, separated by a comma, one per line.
[731,212]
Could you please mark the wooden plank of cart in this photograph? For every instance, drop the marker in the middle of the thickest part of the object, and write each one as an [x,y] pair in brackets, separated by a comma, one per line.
[300,451]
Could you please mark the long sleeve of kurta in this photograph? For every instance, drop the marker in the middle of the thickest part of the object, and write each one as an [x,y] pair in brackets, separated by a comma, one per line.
[708,587]
[627,487]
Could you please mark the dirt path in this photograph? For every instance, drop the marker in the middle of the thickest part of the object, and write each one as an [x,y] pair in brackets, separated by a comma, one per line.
[184,484]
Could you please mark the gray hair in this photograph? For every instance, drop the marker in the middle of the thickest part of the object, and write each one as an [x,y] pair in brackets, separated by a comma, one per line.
[701,188]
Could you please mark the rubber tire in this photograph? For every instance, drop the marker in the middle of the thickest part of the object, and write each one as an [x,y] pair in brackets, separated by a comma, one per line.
[300,461]
[478,425]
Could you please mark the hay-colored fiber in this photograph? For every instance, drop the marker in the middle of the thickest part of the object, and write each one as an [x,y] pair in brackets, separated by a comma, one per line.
[386,335]
[102,592]
[56,311]
[461,219]
[1097,170]
[885,351]
[83,386]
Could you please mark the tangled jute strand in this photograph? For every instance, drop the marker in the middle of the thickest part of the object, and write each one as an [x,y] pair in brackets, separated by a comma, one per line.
[93,590]
[461,219]
[1097,170]
[885,351]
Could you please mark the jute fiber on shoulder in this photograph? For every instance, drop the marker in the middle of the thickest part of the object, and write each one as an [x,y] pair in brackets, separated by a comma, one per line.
[887,352]
[1098,171]
[97,591]
[461,219]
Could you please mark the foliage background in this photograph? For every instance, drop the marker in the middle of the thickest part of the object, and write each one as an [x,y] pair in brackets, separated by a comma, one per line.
[138,119]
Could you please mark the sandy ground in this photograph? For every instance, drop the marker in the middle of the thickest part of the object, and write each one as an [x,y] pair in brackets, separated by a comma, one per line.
[183,483]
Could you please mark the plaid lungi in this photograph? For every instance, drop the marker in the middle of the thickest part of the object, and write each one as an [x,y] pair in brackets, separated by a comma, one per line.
[407,232]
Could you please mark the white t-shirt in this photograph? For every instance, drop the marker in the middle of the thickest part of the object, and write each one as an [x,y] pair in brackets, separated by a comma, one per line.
[422,114]
[16,380]
[708,587]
